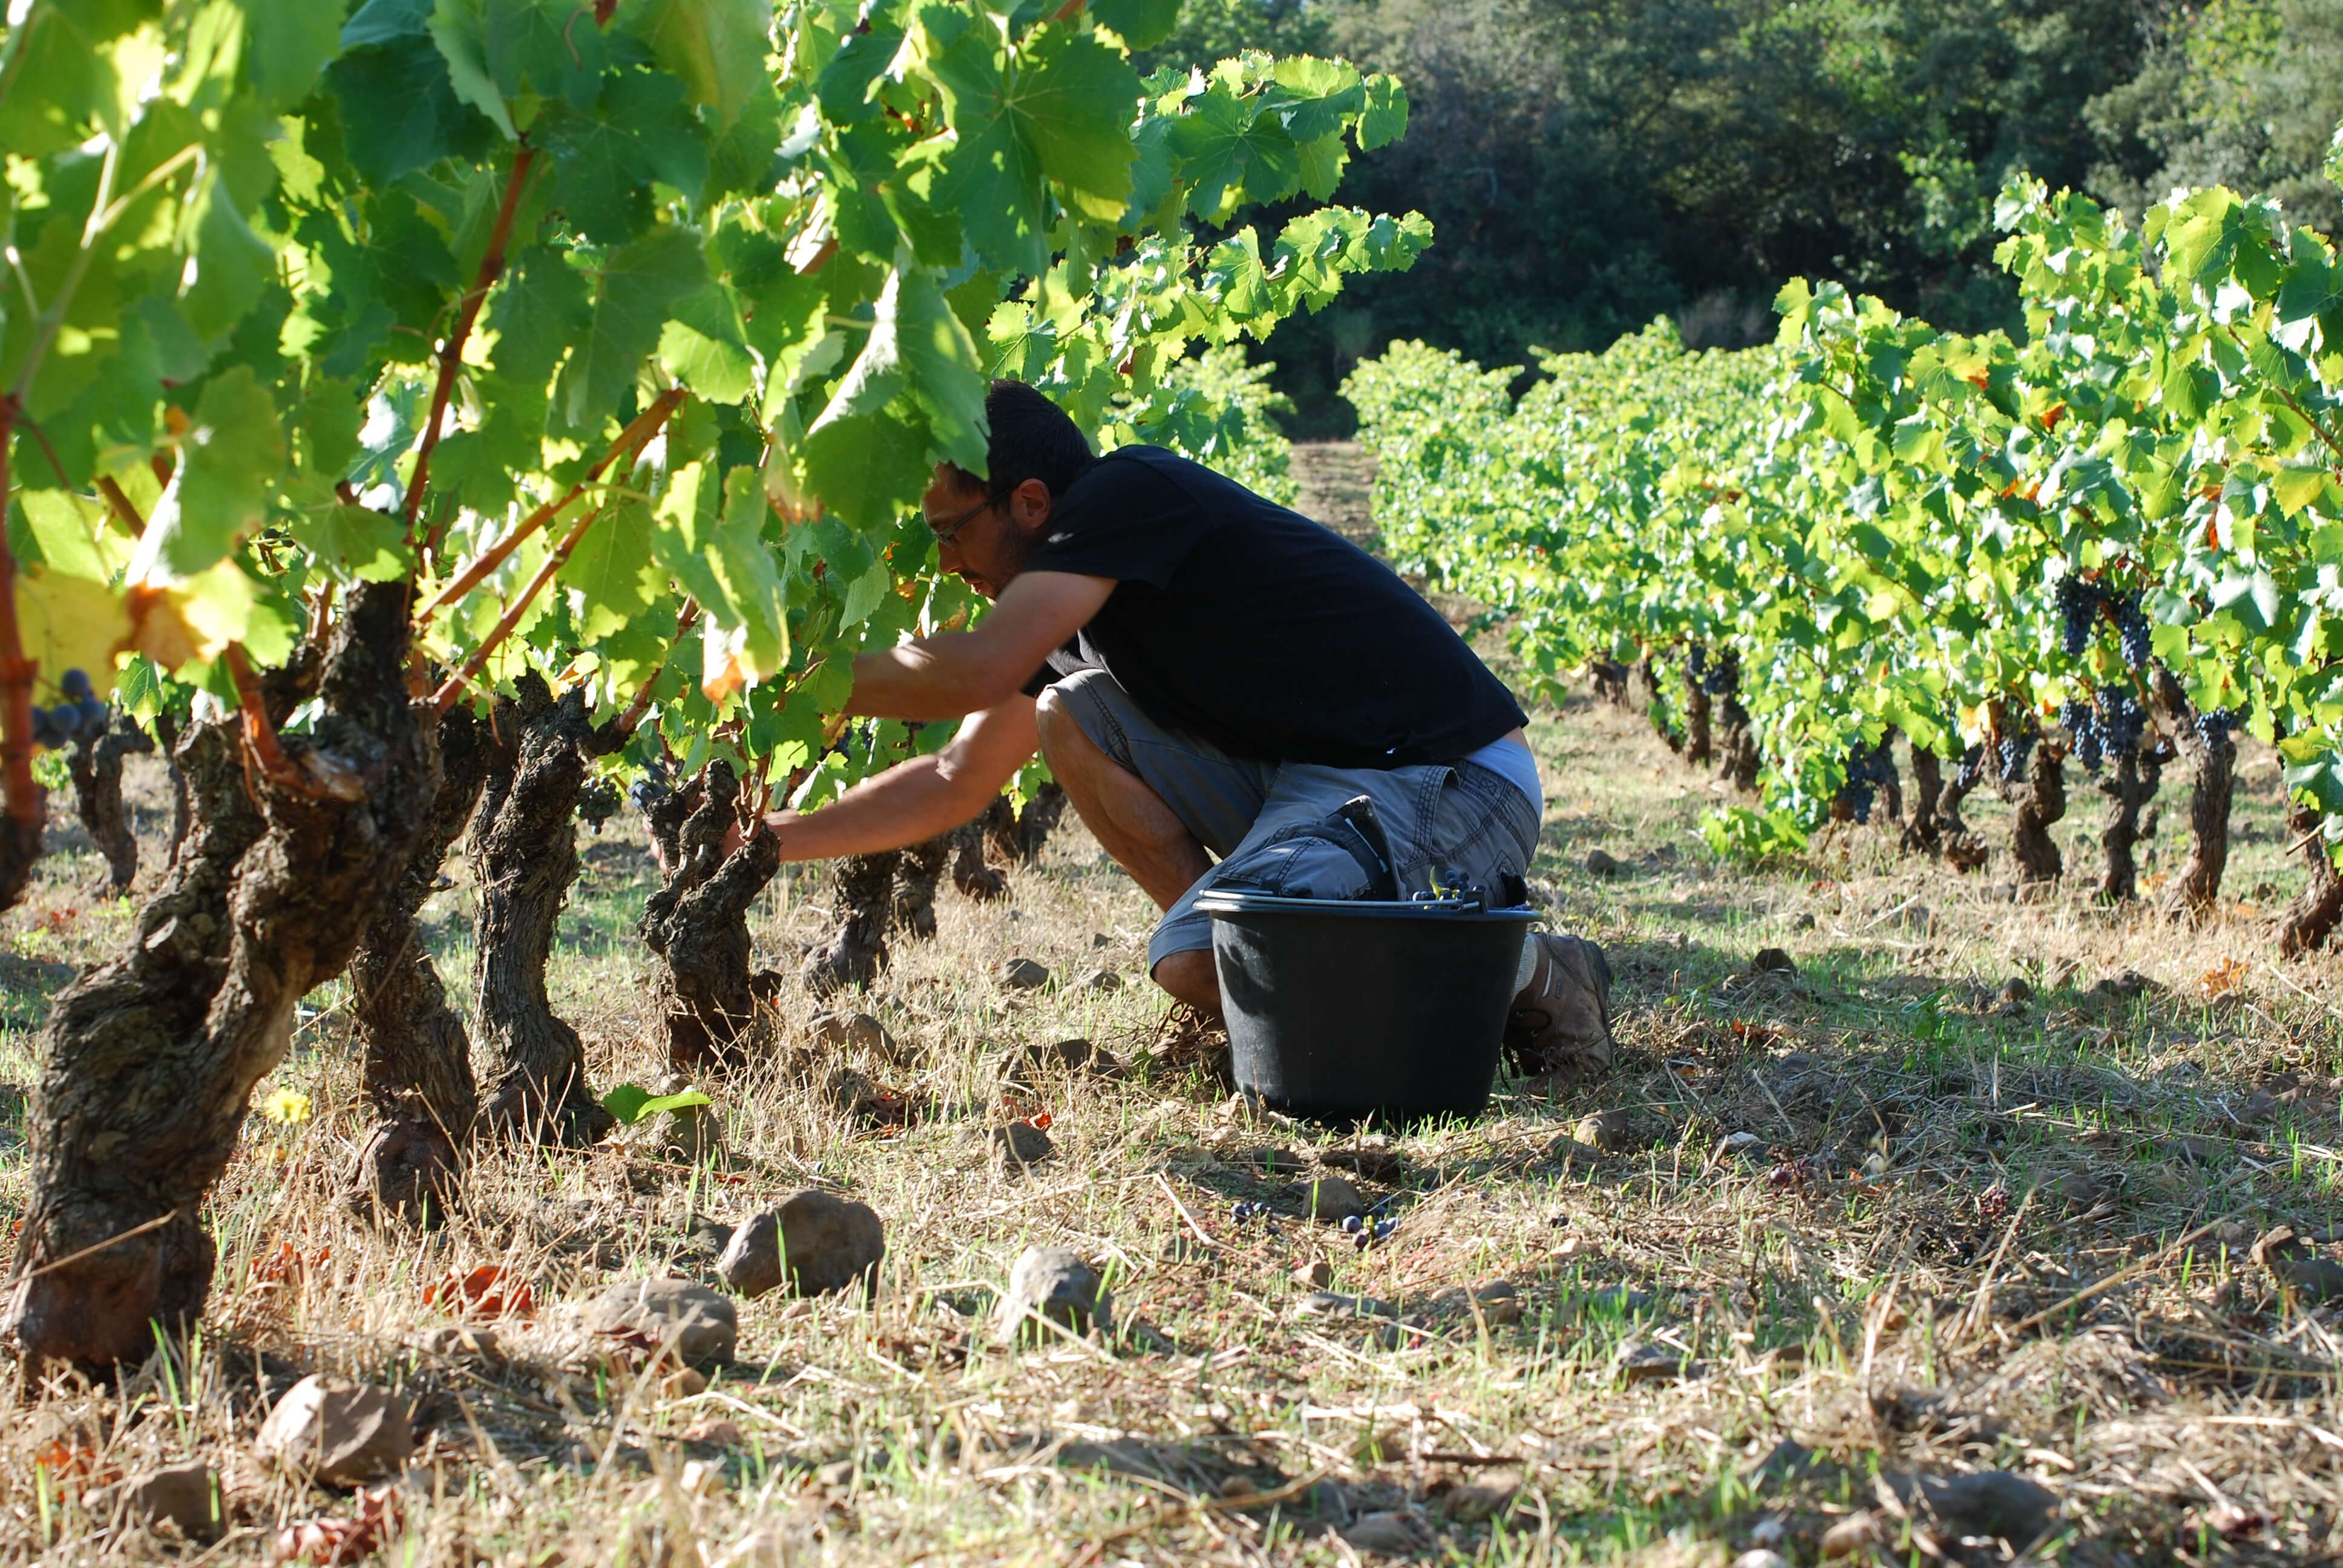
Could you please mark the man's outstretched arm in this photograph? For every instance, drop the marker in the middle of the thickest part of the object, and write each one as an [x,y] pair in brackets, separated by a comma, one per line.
[921,798]
[953,673]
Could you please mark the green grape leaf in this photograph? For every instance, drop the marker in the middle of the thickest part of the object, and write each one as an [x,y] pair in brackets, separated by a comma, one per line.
[1386,119]
[1142,24]
[607,158]
[718,47]
[946,374]
[387,21]
[637,285]
[356,543]
[67,533]
[704,346]
[609,577]
[69,622]
[78,66]
[232,454]
[400,109]
[1061,112]
[285,44]
[867,469]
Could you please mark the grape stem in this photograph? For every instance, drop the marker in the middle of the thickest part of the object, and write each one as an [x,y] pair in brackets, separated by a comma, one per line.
[638,431]
[632,718]
[453,687]
[451,357]
[259,733]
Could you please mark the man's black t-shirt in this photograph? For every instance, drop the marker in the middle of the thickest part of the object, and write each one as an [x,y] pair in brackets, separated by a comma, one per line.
[1247,624]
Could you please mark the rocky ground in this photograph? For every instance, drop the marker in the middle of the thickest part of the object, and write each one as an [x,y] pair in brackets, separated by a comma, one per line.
[1966,1223]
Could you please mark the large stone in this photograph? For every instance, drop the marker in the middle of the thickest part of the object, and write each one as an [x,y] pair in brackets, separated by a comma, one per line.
[1998,1502]
[858,1030]
[341,1432]
[1329,1198]
[1609,1131]
[814,1243]
[688,1320]
[1017,1144]
[1052,1284]
[1023,974]
[185,1496]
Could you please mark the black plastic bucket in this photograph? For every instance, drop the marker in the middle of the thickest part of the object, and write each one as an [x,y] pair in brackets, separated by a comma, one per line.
[1343,1011]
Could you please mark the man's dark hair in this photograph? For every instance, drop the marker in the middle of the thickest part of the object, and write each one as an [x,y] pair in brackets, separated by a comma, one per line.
[1032,438]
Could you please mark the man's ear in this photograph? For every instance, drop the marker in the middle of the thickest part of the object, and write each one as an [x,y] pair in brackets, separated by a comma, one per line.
[1030,506]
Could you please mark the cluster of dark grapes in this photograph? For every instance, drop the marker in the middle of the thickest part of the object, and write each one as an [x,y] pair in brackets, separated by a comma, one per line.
[1696,661]
[2131,630]
[597,802]
[1867,768]
[1719,681]
[2079,607]
[55,728]
[2122,719]
[2110,727]
[2213,728]
[1972,768]
[650,787]
[2009,754]
[1365,1234]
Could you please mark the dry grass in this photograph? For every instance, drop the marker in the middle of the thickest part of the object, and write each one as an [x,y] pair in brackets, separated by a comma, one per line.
[1898,1277]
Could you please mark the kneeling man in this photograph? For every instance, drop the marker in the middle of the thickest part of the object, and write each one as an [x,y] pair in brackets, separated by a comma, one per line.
[1215,680]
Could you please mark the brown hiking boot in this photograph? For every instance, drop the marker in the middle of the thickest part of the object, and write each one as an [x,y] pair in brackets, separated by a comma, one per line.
[1560,1024]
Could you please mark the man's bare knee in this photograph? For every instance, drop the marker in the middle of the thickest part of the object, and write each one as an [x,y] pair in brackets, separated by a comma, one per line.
[1063,737]
[1190,977]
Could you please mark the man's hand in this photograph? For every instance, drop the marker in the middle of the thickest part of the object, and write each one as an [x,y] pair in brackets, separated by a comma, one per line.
[954,673]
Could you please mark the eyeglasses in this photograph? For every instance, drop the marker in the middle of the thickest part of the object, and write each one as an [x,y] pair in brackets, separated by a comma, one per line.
[945,535]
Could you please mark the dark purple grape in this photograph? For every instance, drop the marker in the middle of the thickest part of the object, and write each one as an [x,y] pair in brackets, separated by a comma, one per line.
[66,719]
[2079,607]
[2009,755]
[75,683]
[2131,631]
[2213,728]
[2081,723]
[2122,719]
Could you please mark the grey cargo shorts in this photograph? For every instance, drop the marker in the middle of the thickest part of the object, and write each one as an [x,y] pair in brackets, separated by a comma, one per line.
[1459,819]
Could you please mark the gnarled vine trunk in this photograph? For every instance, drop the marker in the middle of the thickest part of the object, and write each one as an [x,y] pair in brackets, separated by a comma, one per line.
[1891,784]
[697,924]
[1922,831]
[1610,678]
[917,877]
[523,851]
[1965,848]
[414,1058]
[94,763]
[863,889]
[1039,819]
[2041,801]
[166,732]
[149,1059]
[2210,793]
[971,874]
[2131,781]
[1700,746]
[2311,918]
[1737,749]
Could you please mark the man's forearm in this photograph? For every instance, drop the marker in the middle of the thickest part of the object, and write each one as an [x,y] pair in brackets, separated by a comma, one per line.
[938,676]
[910,801]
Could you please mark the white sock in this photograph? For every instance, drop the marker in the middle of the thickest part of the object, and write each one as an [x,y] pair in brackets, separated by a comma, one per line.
[1528,972]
